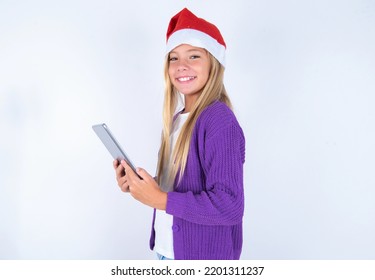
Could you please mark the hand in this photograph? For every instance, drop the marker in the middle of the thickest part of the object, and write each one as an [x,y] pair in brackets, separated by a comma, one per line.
[145,190]
[120,176]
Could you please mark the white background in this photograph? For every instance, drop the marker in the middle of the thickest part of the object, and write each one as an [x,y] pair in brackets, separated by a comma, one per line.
[300,75]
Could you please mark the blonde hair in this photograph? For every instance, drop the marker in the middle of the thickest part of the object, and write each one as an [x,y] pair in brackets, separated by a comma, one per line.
[212,91]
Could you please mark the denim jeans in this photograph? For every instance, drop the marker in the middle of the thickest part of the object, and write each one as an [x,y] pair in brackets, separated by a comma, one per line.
[162,258]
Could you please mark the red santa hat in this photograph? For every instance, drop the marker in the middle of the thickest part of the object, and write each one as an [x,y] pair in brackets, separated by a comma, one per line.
[187,28]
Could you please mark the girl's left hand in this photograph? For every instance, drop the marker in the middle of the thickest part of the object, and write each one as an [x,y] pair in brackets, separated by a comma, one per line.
[147,190]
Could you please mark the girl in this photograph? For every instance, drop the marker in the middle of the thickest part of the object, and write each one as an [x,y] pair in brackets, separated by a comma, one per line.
[198,192]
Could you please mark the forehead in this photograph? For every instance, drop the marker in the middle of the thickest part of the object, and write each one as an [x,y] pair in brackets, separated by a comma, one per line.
[187,48]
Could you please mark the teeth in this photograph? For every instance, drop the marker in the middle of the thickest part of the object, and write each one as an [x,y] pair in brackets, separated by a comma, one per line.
[185,79]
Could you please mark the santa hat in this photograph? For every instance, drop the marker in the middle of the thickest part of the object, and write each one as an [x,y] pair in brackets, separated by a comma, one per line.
[187,28]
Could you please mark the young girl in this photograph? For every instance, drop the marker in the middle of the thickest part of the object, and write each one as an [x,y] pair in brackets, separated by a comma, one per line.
[198,192]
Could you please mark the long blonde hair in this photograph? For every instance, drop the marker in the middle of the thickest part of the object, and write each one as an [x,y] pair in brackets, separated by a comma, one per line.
[212,91]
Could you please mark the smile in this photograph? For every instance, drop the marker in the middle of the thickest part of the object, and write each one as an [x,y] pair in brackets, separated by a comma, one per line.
[185,79]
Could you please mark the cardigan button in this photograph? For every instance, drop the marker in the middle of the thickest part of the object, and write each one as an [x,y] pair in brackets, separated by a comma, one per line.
[176,228]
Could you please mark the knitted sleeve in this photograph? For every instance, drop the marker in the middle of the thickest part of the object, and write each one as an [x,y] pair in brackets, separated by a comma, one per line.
[221,202]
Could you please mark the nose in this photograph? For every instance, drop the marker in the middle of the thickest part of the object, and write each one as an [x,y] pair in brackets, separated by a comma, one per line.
[182,65]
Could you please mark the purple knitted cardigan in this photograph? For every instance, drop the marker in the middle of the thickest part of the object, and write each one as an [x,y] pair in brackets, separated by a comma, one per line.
[208,204]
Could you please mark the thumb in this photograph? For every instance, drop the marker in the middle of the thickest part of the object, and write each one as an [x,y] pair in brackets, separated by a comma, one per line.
[144,174]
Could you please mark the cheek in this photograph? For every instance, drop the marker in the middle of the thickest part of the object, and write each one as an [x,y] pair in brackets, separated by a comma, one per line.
[204,70]
[170,73]
[206,75]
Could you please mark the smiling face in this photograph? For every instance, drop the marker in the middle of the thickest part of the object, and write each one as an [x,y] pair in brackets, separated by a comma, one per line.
[189,69]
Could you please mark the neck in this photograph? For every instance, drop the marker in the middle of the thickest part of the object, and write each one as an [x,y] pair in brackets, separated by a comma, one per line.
[190,102]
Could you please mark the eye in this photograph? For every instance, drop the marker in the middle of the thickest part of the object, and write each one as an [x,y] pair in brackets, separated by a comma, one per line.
[172,58]
[194,56]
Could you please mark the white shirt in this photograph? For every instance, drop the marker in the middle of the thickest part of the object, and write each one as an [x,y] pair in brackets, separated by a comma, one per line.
[164,221]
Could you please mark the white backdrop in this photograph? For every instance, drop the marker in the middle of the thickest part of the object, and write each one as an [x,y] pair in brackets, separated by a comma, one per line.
[301,77]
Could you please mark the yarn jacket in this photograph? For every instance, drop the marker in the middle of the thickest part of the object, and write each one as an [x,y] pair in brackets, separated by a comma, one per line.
[208,203]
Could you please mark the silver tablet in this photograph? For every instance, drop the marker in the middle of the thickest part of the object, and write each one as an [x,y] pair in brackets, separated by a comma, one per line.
[111,144]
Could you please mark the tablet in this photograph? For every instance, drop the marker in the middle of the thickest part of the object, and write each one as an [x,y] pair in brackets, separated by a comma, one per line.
[111,144]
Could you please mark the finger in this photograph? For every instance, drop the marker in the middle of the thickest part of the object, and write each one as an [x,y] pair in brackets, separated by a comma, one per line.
[118,167]
[122,181]
[120,172]
[125,188]
[128,170]
[144,174]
